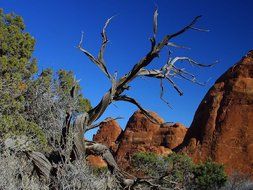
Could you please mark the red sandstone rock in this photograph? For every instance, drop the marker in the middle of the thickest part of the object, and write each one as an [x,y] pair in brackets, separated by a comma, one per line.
[222,128]
[174,135]
[108,133]
[96,161]
[142,135]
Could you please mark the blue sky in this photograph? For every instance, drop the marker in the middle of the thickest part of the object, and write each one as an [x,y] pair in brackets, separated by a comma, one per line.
[57,25]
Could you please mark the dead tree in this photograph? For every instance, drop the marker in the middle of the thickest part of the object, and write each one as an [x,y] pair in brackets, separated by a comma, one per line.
[83,122]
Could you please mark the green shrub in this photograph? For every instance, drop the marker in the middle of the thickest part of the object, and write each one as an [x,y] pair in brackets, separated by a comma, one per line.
[178,170]
[32,104]
[99,171]
[150,163]
[16,126]
[209,175]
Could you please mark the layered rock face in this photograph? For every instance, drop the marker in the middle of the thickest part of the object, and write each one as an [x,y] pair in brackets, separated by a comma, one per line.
[142,135]
[222,128]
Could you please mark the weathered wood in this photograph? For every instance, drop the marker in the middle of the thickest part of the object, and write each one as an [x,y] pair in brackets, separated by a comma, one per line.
[41,164]
[81,123]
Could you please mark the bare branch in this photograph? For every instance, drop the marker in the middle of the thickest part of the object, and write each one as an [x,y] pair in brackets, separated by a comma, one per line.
[93,59]
[100,123]
[155,73]
[177,46]
[98,110]
[191,61]
[168,37]
[104,41]
[139,69]
[81,40]
[133,101]
[180,92]
[162,93]
[102,150]
[190,26]
[155,25]
[187,76]
[151,55]
[200,29]
[106,100]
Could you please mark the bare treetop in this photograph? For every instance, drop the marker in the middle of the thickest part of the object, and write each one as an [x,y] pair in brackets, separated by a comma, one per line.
[82,122]
[168,71]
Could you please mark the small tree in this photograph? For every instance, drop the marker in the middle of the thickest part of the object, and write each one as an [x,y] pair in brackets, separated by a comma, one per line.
[16,70]
[29,104]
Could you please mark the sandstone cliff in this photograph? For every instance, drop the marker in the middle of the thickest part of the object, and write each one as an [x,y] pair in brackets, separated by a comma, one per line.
[222,128]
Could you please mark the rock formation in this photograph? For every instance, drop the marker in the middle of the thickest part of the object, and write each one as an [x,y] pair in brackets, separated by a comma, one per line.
[222,128]
[174,134]
[108,134]
[96,161]
[142,135]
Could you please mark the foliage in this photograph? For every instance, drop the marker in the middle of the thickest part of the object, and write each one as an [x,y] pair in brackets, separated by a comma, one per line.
[239,181]
[79,176]
[209,175]
[48,100]
[66,81]
[31,106]
[99,171]
[16,69]
[17,126]
[178,170]
[15,173]
[150,163]
[16,62]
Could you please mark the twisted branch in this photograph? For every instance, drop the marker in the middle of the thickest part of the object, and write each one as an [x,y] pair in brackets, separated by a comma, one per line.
[168,71]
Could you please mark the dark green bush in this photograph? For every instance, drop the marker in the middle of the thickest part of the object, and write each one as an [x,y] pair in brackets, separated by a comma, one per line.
[150,163]
[178,170]
[209,175]
[181,167]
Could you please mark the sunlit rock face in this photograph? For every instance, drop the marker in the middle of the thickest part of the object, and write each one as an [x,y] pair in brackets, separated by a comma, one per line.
[143,135]
[222,128]
[96,161]
[108,134]
[140,135]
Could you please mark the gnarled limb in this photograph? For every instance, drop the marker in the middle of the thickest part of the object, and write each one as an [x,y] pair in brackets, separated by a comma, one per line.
[41,163]
[100,123]
[118,87]
[133,101]
[127,180]
[96,61]
[114,93]
[104,41]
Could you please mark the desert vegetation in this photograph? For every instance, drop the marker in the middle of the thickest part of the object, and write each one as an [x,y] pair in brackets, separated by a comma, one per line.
[44,116]
[177,171]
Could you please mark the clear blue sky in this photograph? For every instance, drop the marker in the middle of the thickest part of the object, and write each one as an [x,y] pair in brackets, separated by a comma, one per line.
[57,24]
